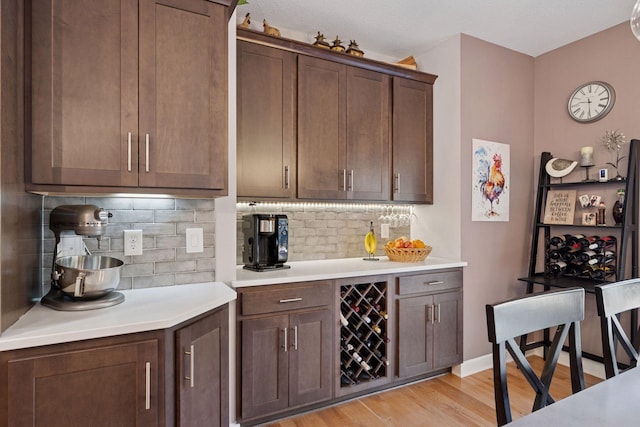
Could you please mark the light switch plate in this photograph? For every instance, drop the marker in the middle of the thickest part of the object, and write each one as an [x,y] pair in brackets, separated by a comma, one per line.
[132,242]
[194,240]
[384,231]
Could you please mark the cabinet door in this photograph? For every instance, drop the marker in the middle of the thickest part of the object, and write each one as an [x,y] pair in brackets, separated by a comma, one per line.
[265,365]
[202,371]
[310,355]
[368,117]
[266,122]
[84,92]
[447,329]
[412,141]
[322,170]
[415,335]
[104,386]
[183,94]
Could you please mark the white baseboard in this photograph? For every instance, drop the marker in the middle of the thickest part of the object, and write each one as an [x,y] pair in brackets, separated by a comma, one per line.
[482,363]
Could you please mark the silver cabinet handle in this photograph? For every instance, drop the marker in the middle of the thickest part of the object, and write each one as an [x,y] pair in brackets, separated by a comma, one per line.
[432,314]
[191,355]
[146,150]
[129,152]
[438,313]
[285,339]
[350,188]
[147,385]
[396,187]
[295,337]
[284,301]
[344,180]
[286,177]
[434,282]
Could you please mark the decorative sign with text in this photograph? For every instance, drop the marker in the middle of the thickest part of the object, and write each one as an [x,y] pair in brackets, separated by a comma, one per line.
[561,205]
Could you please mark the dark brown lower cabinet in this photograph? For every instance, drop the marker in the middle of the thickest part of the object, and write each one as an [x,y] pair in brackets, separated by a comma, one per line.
[285,347]
[286,362]
[202,371]
[98,383]
[429,323]
[127,380]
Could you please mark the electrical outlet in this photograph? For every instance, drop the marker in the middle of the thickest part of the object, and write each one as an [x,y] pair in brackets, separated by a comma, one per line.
[194,240]
[132,242]
[70,246]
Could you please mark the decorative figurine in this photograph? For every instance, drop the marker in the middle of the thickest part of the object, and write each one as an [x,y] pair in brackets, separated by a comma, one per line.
[246,22]
[337,45]
[268,29]
[613,141]
[354,49]
[321,42]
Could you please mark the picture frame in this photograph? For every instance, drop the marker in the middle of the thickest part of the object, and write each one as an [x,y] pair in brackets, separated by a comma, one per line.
[560,207]
[589,218]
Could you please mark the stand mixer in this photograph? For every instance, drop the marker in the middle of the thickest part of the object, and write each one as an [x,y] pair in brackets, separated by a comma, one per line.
[82,282]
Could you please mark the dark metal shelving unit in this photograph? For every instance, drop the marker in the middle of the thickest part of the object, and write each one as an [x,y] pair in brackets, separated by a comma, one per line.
[627,234]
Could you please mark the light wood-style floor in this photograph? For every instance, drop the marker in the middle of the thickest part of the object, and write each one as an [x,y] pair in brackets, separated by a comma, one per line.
[443,401]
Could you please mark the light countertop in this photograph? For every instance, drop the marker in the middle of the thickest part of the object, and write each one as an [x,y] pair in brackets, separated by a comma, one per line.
[302,271]
[142,310]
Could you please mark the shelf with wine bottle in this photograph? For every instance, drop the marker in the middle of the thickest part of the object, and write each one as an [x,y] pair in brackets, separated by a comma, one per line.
[364,340]
[580,256]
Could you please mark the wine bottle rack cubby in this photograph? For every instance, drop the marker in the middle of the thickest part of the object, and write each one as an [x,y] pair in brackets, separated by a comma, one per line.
[363,333]
[585,257]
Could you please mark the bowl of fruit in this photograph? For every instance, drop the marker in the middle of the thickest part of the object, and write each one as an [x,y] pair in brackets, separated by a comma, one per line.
[404,250]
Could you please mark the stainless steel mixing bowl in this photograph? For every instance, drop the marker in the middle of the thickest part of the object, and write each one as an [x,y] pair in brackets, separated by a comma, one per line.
[88,277]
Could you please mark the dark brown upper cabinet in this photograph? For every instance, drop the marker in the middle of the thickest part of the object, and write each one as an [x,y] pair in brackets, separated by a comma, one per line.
[128,96]
[363,129]
[343,131]
[412,141]
[266,148]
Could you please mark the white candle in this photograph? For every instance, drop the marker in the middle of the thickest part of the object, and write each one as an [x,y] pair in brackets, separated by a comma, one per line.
[587,156]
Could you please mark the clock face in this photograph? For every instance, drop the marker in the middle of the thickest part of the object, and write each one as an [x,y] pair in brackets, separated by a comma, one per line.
[591,101]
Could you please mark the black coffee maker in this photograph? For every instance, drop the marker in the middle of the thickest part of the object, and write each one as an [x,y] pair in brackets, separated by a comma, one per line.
[266,241]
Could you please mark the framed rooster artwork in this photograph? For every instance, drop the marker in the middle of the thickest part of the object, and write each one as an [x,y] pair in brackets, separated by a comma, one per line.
[490,187]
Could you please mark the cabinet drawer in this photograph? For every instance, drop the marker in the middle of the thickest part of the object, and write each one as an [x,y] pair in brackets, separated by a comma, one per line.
[429,282]
[270,299]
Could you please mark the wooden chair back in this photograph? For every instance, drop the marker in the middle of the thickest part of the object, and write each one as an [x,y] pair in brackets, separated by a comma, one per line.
[562,310]
[613,299]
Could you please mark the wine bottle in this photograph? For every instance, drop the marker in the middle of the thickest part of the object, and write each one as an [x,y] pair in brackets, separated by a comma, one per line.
[559,267]
[352,304]
[366,318]
[343,320]
[603,243]
[376,328]
[558,241]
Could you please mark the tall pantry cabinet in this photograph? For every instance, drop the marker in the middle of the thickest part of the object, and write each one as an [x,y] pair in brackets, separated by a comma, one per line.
[128,94]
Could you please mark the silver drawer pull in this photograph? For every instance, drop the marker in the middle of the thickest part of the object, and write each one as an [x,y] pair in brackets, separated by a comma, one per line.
[290,300]
[434,282]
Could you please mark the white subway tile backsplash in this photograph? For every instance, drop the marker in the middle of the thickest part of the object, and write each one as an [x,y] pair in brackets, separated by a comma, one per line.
[324,232]
[163,222]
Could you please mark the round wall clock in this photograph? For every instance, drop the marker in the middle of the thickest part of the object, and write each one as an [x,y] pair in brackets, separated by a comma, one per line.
[591,101]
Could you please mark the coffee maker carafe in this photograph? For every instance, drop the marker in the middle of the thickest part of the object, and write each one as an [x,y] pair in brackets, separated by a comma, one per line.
[266,241]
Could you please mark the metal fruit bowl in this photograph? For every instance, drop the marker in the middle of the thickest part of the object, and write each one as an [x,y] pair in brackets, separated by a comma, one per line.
[88,277]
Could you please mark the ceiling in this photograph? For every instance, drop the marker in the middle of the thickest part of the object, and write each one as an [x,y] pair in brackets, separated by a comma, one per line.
[409,27]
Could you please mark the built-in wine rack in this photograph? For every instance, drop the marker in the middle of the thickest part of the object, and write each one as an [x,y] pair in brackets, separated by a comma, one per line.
[363,333]
[587,257]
